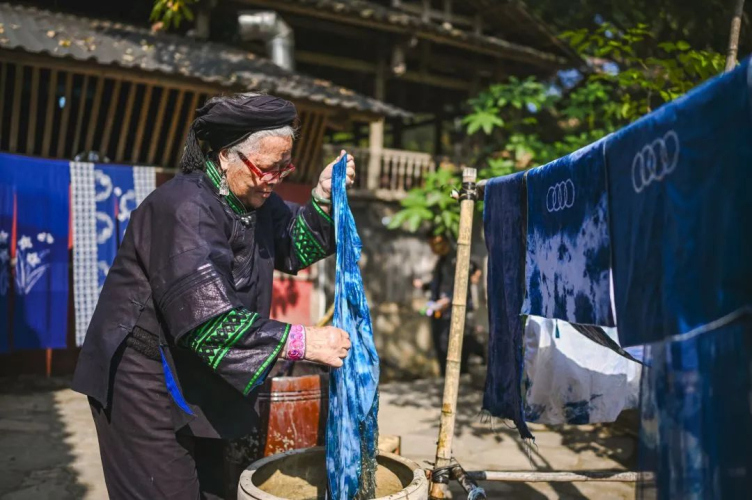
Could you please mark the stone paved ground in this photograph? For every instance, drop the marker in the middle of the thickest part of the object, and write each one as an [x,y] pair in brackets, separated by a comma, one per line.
[48,447]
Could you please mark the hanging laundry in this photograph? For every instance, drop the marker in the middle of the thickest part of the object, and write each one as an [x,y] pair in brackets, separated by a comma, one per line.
[696,419]
[352,426]
[6,232]
[85,269]
[569,379]
[104,197]
[504,224]
[568,263]
[40,310]
[679,183]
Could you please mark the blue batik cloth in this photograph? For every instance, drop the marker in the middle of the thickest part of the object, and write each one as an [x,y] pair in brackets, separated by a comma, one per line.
[695,432]
[504,226]
[6,230]
[115,200]
[568,263]
[679,182]
[40,311]
[352,431]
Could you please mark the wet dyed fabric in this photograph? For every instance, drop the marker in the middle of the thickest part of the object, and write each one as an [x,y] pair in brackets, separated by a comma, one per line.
[569,379]
[352,431]
[504,226]
[40,310]
[568,262]
[696,418]
[679,183]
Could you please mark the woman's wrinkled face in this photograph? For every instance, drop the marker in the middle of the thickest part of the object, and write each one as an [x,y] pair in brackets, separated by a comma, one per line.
[274,153]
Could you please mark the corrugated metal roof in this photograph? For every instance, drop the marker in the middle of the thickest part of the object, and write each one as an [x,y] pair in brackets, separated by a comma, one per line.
[111,43]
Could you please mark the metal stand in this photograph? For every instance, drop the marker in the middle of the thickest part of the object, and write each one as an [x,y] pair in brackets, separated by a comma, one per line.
[445,467]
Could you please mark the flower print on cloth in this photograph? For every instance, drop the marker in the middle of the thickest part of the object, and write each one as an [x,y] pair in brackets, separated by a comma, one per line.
[40,306]
[568,263]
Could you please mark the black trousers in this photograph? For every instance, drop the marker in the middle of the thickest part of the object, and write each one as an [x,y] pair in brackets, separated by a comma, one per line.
[470,345]
[142,455]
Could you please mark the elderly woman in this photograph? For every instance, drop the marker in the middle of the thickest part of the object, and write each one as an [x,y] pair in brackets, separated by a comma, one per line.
[181,335]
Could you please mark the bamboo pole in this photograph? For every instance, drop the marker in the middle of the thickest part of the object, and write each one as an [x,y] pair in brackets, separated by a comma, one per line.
[736,27]
[561,477]
[456,330]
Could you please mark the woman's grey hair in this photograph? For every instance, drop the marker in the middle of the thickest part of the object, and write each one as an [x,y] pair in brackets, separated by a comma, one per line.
[252,143]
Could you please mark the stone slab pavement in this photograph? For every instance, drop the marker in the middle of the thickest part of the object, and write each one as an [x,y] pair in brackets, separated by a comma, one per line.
[48,445]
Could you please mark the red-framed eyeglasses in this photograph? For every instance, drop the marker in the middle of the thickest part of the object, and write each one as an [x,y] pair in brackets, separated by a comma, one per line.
[279,173]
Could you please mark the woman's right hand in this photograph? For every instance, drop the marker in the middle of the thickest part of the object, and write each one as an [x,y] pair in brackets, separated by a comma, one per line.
[326,345]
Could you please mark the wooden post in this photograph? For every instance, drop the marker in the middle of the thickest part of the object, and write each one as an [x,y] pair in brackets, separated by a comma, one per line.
[736,27]
[456,330]
[376,135]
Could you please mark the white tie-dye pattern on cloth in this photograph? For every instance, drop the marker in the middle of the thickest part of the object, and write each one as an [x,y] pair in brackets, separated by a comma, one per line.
[569,379]
[568,260]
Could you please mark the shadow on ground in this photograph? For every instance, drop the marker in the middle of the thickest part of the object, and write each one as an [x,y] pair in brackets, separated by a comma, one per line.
[35,457]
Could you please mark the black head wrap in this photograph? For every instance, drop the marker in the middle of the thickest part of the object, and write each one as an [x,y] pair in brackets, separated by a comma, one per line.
[225,122]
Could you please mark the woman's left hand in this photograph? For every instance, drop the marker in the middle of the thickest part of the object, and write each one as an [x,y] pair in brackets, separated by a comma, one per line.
[324,187]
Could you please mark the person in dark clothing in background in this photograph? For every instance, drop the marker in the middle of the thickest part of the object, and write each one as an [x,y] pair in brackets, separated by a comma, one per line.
[441,288]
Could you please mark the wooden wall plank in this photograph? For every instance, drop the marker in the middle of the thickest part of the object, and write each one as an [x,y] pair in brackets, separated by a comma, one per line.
[145,106]
[165,97]
[120,154]
[110,118]
[3,78]
[170,140]
[50,114]
[65,117]
[31,131]
[94,117]
[188,122]
[80,116]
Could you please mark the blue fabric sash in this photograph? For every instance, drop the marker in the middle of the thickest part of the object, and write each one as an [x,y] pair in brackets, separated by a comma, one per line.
[568,263]
[504,224]
[679,182]
[352,427]
[40,312]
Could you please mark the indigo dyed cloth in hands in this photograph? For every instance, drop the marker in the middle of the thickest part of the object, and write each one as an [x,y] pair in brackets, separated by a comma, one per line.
[679,183]
[504,226]
[352,432]
[568,263]
[40,311]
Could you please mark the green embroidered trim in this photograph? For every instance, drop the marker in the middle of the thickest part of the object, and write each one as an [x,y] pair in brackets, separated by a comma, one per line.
[321,211]
[235,204]
[213,340]
[268,361]
[307,248]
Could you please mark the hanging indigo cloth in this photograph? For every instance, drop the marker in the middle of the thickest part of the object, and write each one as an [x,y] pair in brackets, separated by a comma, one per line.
[569,379]
[40,312]
[352,431]
[504,226]
[568,263]
[6,231]
[679,183]
[695,431]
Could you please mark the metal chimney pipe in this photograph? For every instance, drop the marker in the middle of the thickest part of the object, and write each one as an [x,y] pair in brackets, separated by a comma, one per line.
[274,31]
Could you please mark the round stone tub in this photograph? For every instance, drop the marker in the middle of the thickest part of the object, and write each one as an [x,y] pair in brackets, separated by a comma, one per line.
[301,475]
